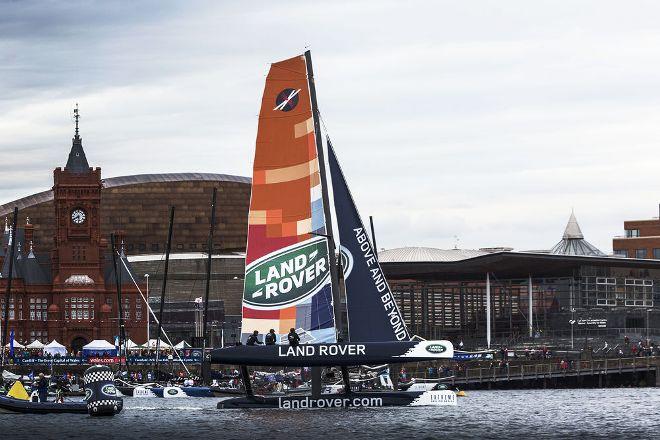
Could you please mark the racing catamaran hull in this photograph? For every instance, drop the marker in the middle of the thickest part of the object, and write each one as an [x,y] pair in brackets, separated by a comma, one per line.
[339,354]
[350,400]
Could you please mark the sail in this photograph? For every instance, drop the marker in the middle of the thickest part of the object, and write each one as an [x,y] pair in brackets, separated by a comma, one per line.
[287,273]
[373,315]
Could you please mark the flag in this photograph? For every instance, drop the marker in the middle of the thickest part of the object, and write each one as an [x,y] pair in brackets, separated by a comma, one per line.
[11,343]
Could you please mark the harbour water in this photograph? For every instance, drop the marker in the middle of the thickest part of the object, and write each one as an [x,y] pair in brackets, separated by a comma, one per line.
[573,413]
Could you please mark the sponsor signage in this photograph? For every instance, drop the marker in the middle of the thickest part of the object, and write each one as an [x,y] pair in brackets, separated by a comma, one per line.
[436,348]
[600,323]
[329,402]
[287,277]
[195,357]
[105,360]
[47,361]
[322,350]
[109,390]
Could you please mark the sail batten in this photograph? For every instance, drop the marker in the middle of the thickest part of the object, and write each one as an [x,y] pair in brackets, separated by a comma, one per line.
[287,275]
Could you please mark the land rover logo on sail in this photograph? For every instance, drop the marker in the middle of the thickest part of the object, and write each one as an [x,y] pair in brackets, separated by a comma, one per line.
[436,348]
[172,391]
[287,276]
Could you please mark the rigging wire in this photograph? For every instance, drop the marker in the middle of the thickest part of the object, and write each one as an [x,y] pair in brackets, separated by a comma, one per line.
[169,341]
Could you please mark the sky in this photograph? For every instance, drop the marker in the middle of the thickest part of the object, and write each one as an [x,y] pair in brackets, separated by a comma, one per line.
[470,124]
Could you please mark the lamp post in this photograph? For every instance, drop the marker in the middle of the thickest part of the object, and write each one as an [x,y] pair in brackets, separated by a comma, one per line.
[146,275]
[647,328]
[572,321]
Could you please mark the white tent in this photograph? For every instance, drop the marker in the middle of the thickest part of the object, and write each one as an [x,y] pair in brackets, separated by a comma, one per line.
[181,345]
[130,345]
[16,345]
[35,345]
[163,345]
[55,348]
[99,346]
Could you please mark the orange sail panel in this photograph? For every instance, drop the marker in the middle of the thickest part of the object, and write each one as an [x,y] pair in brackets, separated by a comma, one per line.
[287,274]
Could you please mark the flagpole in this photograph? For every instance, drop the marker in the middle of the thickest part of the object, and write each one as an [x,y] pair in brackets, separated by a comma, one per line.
[10,276]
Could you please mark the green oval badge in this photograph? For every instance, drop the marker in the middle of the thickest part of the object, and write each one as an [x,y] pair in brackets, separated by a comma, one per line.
[109,390]
[287,276]
[436,348]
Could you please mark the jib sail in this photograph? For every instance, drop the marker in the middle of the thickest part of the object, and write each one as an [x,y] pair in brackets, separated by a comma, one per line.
[287,274]
[373,315]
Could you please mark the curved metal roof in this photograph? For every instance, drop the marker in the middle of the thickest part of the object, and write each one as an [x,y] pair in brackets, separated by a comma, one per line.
[426,254]
[136,179]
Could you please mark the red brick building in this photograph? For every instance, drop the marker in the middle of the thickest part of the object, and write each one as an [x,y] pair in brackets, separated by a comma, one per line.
[68,292]
[641,240]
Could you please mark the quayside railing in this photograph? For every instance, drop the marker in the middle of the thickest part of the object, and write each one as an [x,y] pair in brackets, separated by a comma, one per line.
[527,371]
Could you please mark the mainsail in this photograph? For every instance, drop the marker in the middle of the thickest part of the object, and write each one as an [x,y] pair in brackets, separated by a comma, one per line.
[287,274]
[373,315]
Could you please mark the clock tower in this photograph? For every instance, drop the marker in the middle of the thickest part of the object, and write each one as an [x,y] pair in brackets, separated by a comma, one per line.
[78,253]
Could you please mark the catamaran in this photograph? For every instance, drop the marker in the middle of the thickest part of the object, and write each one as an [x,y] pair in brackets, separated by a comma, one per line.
[292,271]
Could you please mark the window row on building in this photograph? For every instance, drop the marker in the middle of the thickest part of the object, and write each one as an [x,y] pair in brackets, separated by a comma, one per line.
[638,253]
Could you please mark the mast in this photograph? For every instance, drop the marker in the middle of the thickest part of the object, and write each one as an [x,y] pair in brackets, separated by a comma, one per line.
[162,293]
[334,278]
[12,238]
[373,235]
[120,307]
[208,280]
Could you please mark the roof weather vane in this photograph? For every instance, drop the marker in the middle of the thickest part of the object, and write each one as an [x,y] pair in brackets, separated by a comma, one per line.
[76,115]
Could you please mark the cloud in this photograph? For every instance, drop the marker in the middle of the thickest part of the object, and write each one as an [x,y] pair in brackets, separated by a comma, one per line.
[483,120]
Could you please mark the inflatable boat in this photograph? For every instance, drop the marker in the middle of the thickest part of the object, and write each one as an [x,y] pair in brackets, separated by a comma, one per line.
[9,404]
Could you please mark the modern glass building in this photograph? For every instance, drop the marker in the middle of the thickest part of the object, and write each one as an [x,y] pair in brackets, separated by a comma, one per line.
[553,294]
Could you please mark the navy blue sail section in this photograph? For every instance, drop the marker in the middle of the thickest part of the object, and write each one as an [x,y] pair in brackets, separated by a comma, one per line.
[373,315]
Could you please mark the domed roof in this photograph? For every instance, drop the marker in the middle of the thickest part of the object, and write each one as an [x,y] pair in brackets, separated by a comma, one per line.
[106,308]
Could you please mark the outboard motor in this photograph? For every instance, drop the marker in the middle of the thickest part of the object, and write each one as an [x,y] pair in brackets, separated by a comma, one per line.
[100,392]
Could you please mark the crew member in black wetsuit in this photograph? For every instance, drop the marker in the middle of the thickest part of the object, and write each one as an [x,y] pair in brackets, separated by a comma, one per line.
[294,339]
[253,339]
[270,338]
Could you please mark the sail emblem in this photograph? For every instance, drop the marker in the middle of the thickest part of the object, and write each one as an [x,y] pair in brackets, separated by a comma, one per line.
[287,100]
[287,277]
[346,260]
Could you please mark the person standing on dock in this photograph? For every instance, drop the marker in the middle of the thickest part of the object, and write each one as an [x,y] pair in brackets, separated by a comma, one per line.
[270,338]
[42,388]
[294,339]
[253,339]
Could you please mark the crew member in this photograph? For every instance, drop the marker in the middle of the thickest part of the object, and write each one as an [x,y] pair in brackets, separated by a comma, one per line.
[294,339]
[42,388]
[270,338]
[253,339]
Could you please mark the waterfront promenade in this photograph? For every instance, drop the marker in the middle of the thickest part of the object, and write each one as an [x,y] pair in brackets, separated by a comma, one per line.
[607,372]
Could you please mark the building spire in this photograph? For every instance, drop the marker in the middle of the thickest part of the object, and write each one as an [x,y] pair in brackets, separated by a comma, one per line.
[77,162]
[573,230]
[76,115]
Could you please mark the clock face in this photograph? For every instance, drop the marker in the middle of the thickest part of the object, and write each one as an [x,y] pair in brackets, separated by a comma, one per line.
[78,216]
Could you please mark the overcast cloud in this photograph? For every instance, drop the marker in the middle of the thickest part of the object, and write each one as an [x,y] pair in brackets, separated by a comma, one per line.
[482,120]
